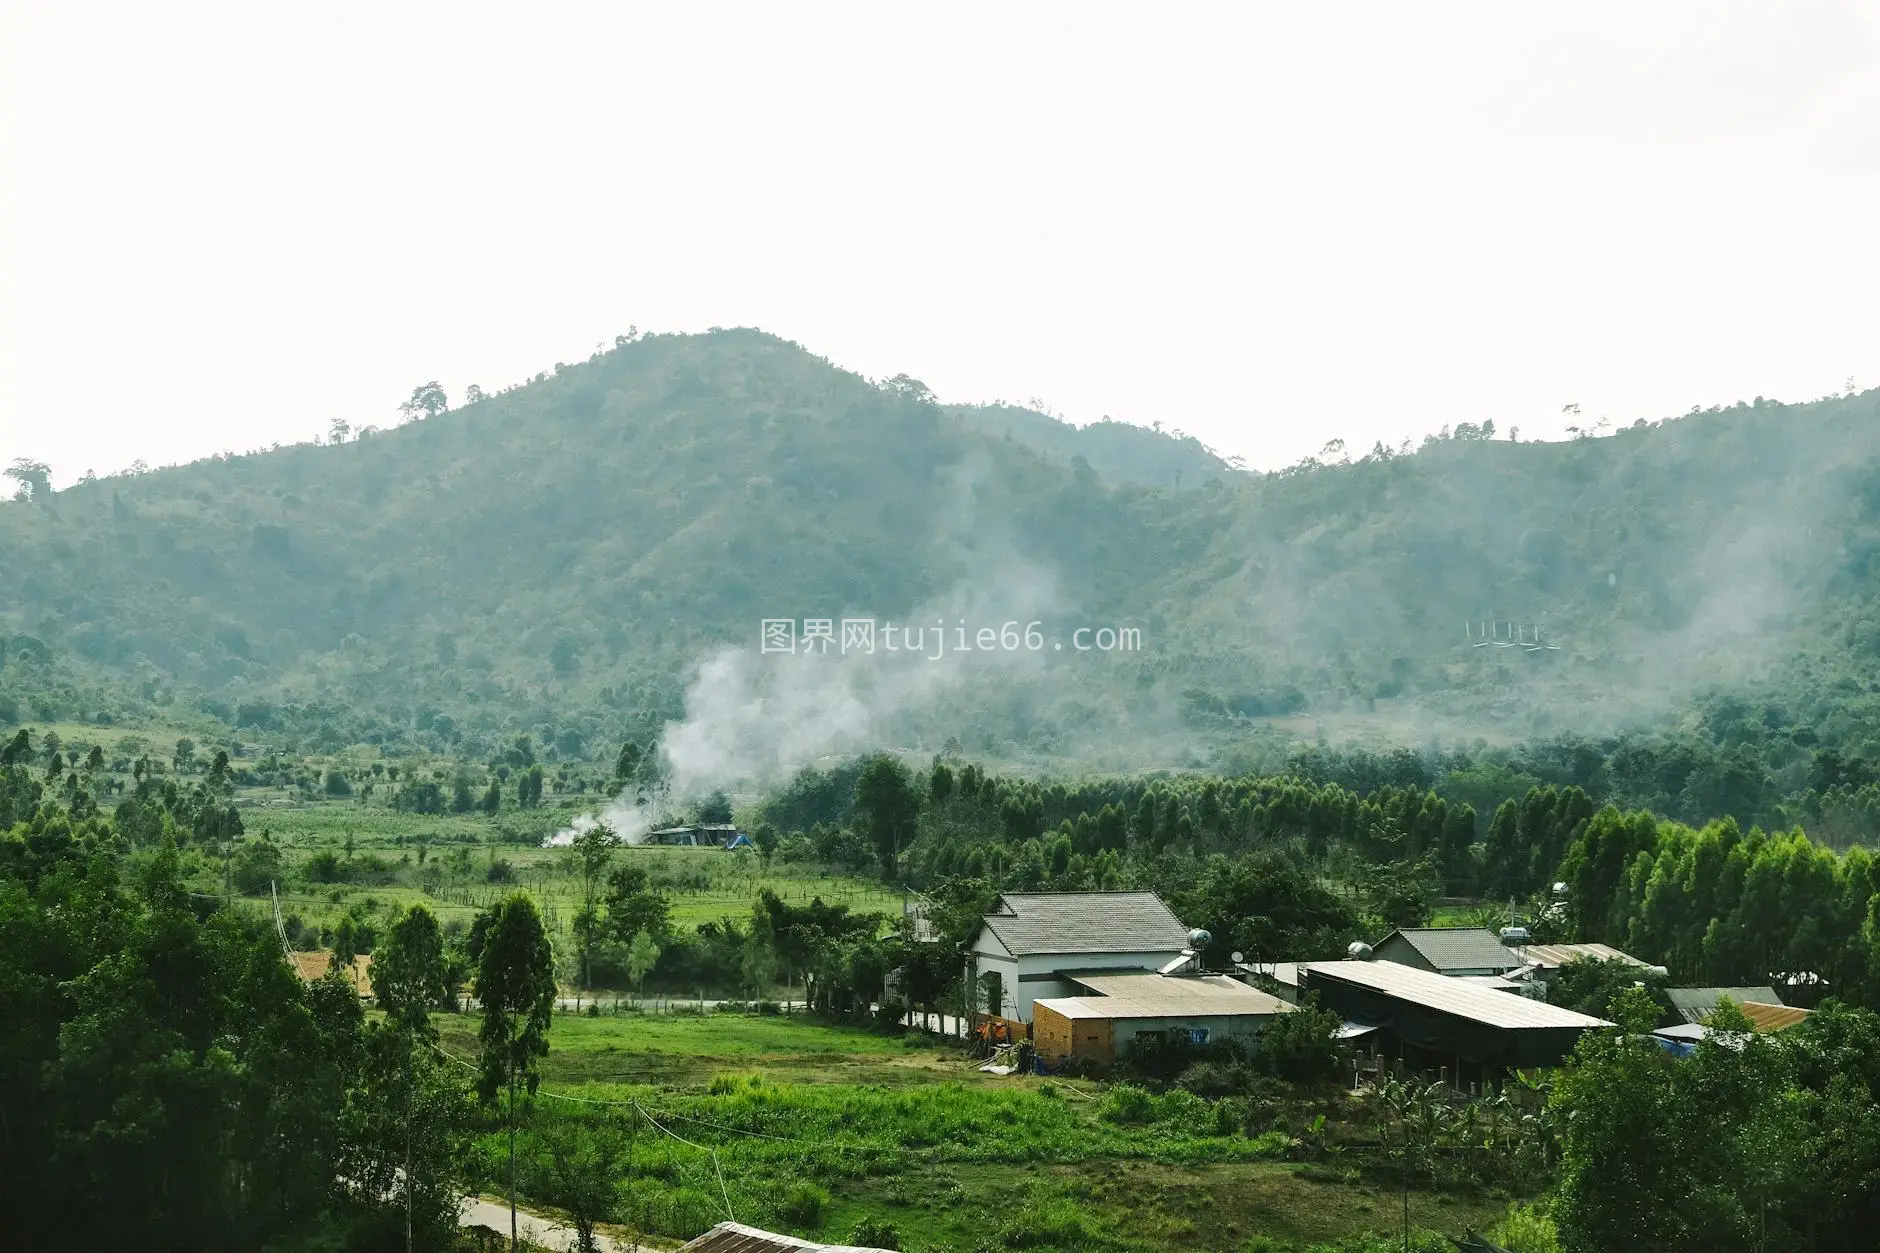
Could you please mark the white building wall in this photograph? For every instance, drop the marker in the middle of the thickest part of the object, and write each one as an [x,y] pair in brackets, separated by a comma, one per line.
[990,956]
[1039,976]
[1243,1027]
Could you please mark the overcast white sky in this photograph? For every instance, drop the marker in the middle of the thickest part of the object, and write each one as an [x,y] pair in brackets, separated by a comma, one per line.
[1267,225]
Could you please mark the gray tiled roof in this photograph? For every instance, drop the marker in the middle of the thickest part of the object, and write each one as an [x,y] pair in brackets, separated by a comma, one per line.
[1695,1004]
[1086,922]
[1459,948]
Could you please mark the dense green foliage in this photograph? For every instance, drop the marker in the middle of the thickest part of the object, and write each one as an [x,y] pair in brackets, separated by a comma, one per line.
[166,1078]
[556,557]
[1768,1142]
[463,629]
[1722,907]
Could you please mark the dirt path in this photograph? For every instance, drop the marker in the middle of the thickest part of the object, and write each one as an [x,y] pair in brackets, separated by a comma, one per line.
[537,1230]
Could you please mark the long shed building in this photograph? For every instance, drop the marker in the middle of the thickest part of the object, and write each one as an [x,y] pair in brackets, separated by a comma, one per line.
[1434,1020]
[1116,1010]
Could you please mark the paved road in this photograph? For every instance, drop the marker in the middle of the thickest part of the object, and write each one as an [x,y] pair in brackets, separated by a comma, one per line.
[534,1228]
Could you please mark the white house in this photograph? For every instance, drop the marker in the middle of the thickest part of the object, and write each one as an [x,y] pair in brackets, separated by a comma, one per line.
[1031,941]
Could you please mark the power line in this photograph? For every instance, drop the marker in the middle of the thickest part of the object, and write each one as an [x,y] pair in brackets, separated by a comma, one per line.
[639,1109]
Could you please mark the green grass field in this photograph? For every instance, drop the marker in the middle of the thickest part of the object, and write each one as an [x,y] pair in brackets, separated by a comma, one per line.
[817,1128]
[443,861]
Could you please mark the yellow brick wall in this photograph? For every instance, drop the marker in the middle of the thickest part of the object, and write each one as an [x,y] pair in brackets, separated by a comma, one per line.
[1051,1033]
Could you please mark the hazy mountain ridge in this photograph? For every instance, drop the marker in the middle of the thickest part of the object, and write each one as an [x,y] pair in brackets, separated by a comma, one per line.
[572,549]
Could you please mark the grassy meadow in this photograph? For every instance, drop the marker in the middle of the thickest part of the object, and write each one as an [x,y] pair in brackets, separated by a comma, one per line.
[819,1128]
[457,864]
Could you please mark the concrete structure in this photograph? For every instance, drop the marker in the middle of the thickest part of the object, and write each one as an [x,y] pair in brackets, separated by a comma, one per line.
[1448,950]
[1433,1020]
[1116,1010]
[1032,942]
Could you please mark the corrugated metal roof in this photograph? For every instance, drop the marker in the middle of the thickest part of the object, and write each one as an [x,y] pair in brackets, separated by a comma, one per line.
[1146,994]
[737,1238]
[1457,948]
[1767,1018]
[1452,996]
[1286,973]
[1552,956]
[1086,922]
[1695,1004]
[1120,1007]
[1500,983]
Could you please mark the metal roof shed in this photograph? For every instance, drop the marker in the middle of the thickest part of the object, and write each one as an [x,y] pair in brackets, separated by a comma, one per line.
[1696,1004]
[1448,950]
[1445,1017]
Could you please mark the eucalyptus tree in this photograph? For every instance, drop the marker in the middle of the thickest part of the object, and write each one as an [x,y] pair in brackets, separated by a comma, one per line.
[516,986]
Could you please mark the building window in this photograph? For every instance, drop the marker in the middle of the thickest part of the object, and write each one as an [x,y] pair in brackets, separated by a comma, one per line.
[1197,1035]
[994,987]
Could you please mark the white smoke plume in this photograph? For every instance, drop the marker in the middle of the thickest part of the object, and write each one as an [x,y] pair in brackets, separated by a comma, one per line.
[751,716]
[629,822]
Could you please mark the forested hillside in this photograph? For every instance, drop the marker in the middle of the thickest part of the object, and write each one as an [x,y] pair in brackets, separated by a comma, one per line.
[561,556]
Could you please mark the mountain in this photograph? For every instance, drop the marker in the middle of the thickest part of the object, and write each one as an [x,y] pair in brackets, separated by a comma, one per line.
[569,556]
[1119,452]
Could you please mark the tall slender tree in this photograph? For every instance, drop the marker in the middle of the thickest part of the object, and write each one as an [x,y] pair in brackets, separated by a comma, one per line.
[888,805]
[593,849]
[516,986]
[409,977]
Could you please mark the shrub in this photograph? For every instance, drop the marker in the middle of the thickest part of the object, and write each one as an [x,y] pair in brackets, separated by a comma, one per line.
[876,1234]
[803,1205]
[735,1085]
[255,866]
[1214,1079]
[1157,1059]
[1527,1229]
[1185,1110]
[1127,1104]
[1050,1222]
[1301,1046]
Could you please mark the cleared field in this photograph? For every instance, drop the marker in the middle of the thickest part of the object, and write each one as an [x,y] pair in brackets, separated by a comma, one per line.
[817,1128]
[457,864]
